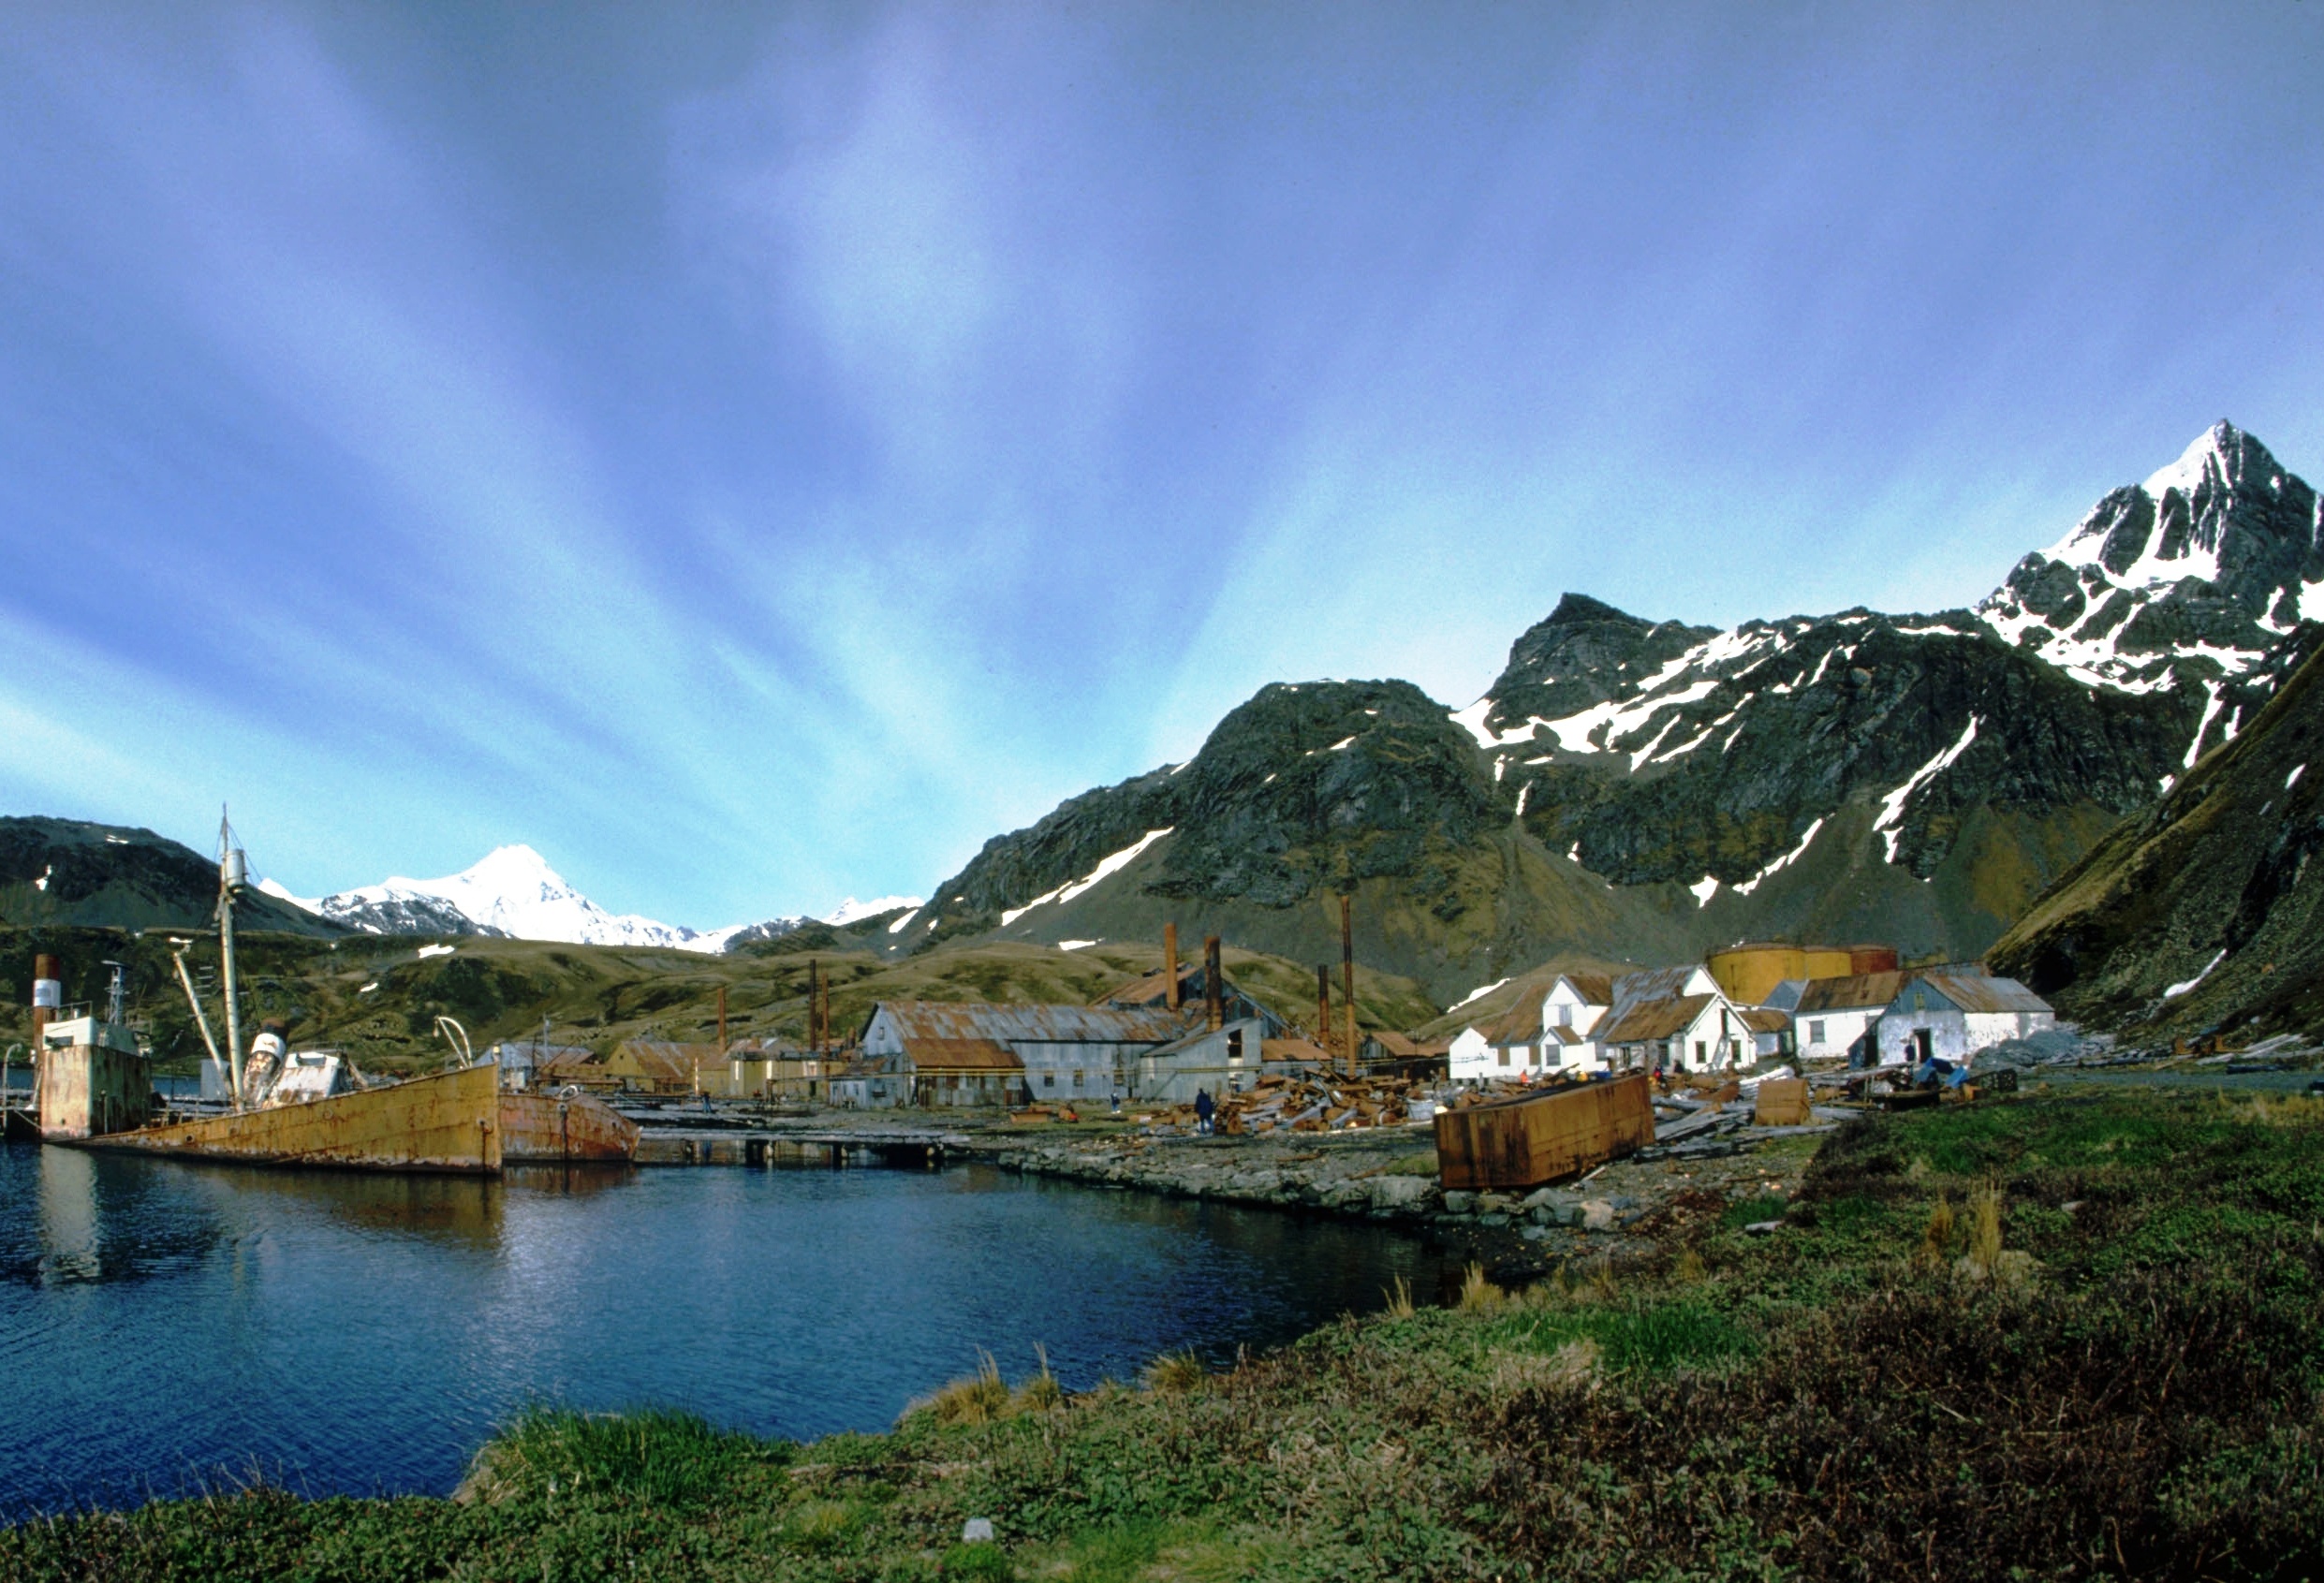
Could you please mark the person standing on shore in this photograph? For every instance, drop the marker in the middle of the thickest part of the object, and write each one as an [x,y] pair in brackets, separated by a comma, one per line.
[1202,1110]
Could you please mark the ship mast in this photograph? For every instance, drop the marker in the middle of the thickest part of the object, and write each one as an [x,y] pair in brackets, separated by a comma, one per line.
[232,872]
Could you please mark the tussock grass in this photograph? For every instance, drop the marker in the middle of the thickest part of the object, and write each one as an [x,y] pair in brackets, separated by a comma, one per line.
[980,1397]
[1399,1294]
[1175,1373]
[1041,1393]
[1936,1238]
[655,1456]
[1477,1294]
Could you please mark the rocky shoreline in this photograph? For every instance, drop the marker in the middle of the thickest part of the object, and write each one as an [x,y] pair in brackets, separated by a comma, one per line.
[1625,1210]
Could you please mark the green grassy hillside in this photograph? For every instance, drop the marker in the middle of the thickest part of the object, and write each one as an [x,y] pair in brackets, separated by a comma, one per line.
[2207,893]
[377,997]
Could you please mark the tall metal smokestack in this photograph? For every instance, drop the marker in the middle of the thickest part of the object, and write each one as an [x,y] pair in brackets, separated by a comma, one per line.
[48,996]
[1213,991]
[815,1007]
[721,1021]
[1347,973]
[1323,1005]
[1170,963]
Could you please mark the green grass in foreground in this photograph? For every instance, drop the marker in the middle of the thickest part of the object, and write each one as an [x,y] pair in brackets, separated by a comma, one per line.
[2046,1338]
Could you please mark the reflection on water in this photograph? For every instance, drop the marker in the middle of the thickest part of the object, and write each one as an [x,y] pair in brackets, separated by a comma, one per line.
[161,1319]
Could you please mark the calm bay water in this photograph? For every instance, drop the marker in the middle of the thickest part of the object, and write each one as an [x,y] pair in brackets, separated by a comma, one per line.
[162,1322]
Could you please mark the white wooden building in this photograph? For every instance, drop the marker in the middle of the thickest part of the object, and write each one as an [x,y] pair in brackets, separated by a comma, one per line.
[1835,1018]
[1954,1015]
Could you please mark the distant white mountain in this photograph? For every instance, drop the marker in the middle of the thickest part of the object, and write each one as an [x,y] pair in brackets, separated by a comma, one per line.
[514,892]
[852,910]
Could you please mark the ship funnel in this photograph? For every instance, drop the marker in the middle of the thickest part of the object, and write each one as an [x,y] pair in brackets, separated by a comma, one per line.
[235,870]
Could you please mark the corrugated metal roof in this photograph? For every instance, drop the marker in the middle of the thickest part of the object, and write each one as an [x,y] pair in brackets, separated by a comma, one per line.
[1187,1041]
[1785,995]
[1764,1020]
[1032,1024]
[1862,992]
[1659,1019]
[1979,993]
[1521,1023]
[1294,1049]
[1596,988]
[1651,984]
[963,1055]
[667,1060]
[1395,1044]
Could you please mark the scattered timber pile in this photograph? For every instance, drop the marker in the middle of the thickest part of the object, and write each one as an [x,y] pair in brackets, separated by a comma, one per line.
[1302,1105]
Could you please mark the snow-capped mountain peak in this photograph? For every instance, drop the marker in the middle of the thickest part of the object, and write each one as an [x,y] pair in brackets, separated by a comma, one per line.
[513,892]
[2188,578]
[852,910]
[510,892]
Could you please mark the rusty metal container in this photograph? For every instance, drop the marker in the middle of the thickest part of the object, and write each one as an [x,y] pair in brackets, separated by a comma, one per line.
[557,1127]
[1535,1138]
[447,1122]
[1782,1102]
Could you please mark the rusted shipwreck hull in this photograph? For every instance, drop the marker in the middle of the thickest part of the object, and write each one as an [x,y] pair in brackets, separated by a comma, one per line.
[457,1121]
[1530,1139]
[552,1127]
[447,1122]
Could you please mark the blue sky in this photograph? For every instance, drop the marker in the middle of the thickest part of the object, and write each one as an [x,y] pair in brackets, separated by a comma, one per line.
[754,454]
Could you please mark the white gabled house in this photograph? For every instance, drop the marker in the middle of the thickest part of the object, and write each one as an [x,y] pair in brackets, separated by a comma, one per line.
[1547,1033]
[1677,1019]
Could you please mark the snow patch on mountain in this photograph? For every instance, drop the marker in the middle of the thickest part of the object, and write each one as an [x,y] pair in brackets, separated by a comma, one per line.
[1067,891]
[1891,818]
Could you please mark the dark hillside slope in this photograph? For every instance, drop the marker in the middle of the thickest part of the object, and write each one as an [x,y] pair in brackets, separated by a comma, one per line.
[1306,792]
[115,876]
[2208,892]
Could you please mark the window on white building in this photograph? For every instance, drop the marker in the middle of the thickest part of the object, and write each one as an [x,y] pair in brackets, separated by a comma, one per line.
[1505,1055]
[1816,1032]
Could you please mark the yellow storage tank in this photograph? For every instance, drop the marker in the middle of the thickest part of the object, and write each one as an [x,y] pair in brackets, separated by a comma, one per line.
[1747,973]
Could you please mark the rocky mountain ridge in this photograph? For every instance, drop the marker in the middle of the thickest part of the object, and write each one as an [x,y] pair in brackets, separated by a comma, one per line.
[73,871]
[1644,789]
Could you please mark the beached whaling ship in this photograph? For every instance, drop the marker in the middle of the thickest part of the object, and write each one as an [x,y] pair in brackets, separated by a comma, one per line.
[283,1106]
